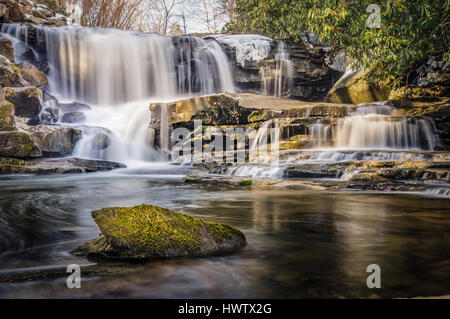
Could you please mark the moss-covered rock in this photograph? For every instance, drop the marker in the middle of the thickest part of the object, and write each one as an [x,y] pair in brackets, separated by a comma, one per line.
[358,88]
[148,231]
[18,145]
[405,92]
[6,116]
[27,102]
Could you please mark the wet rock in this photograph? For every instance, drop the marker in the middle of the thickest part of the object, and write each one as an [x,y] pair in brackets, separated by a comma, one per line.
[49,115]
[73,107]
[56,166]
[27,102]
[11,75]
[33,75]
[53,140]
[101,141]
[73,117]
[6,49]
[357,88]
[18,145]
[147,231]
[7,122]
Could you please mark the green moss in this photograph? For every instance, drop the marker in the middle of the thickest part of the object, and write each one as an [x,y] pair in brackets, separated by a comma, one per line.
[245,183]
[150,229]
[220,232]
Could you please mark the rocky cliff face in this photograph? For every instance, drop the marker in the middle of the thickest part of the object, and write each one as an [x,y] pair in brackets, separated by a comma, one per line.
[29,11]
[251,56]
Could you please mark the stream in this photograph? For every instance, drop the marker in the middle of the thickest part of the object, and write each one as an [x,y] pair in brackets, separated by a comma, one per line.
[301,244]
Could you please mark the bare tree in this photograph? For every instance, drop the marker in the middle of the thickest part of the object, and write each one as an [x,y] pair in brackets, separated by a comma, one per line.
[120,14]
[211,15]
[167,9]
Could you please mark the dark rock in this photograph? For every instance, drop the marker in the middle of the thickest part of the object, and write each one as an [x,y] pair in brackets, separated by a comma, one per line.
[27,102]
[148,231]
[73,117]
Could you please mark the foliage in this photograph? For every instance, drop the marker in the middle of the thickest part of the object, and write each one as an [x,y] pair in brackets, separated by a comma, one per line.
[410,30]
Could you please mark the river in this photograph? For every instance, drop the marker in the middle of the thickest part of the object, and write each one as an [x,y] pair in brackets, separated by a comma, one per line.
[301,244]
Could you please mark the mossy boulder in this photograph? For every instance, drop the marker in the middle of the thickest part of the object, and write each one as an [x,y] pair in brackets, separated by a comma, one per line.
[148,231]
[27,102]
[358,88]
[18,145]
[6,116]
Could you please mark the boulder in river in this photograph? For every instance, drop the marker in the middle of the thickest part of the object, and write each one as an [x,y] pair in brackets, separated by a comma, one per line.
[148,231]
[73,117]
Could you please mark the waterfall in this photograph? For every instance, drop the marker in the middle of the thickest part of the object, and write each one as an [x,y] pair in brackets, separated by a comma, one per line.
[278,81]
[119,73]
[374,127]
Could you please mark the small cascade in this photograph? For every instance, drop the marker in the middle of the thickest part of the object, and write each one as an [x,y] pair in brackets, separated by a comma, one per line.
[373,127]
[279,80]
[439,192]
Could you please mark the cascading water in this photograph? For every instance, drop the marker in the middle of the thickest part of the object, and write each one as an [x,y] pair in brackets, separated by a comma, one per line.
[278,81]
[119,74]
[373,127]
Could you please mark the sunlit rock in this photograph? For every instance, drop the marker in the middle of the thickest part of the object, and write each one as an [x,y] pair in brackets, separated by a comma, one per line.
[148,231]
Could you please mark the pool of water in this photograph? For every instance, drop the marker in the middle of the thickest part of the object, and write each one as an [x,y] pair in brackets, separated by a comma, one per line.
[301,244]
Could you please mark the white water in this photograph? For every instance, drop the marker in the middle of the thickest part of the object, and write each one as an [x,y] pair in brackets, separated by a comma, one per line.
[372,127]
[119,74]
[278,81]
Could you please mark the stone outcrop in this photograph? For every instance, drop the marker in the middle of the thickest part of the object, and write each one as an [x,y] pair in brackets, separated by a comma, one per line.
[7,122]
[11,75]
[18,145]
[147,231]
[46,166]
[6,49]
[358,88]
[312,78]
[35,77]
[53,140]
[27,102]
[29,11]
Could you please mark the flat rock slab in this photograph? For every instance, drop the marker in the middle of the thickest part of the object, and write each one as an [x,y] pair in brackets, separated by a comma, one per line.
[254,101]
[148,231]
[56,166]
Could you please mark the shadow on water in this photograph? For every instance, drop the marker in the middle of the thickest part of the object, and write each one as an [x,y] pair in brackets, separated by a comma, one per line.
[301,244]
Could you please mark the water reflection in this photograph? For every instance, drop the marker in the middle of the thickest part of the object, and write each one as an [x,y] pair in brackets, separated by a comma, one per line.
[301,244]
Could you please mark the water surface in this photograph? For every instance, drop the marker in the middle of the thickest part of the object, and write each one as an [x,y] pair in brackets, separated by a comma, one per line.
[301,244]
